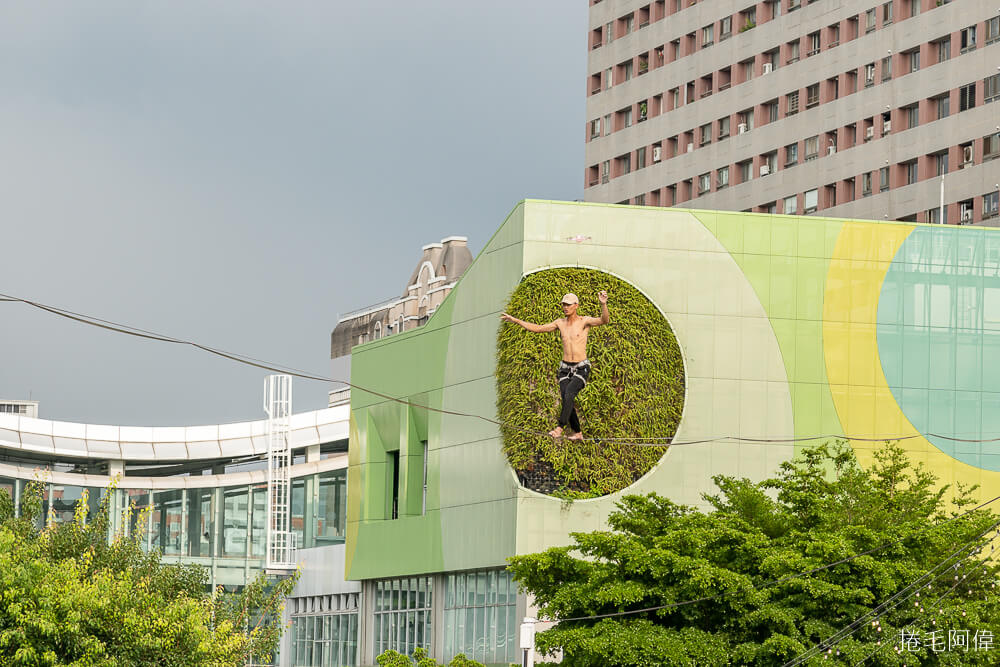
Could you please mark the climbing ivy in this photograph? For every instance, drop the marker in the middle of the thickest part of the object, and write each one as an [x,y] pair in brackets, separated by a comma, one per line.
[635,391]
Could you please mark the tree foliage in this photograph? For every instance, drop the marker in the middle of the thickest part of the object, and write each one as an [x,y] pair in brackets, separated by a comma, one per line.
[636,388]
[392,658]
[737,561]
[69,596]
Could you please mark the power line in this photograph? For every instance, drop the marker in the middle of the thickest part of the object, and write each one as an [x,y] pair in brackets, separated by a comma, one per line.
[643,441]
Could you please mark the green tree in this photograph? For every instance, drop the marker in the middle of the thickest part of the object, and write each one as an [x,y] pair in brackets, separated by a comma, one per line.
[739,564]
[69,596]
[392,658]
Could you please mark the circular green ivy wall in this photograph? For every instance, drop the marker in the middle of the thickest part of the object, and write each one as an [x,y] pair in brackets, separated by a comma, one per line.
[635,392]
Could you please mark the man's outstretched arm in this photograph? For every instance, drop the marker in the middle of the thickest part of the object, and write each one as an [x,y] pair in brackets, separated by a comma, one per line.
[530,326]
[605,317]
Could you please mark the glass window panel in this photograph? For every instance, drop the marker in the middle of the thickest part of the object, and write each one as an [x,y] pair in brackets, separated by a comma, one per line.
[234,523]
[299,510]
[481,588]
[258,521]
[491,587]
[199,522]
[168,513]
[470,633]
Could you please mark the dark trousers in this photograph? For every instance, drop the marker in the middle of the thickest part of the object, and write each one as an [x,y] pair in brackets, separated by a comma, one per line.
[572,378]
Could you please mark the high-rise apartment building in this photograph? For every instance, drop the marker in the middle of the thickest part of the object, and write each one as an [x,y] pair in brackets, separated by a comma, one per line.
[850,108]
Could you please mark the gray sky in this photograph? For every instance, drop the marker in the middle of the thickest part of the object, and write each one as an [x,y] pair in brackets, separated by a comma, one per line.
[240,173]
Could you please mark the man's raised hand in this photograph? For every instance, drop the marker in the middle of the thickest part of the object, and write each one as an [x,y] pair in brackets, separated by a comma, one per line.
[602,296]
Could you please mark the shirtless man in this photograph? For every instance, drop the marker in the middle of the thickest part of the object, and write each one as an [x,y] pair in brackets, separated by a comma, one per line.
[575,368]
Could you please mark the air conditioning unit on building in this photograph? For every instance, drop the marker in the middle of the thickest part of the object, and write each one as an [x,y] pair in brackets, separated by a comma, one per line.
[657,150]
[869,133]
[967,215]
[768,67]
[831,150]
[764,170]
[886,126]
[967,155]
[742,128]
[690,148]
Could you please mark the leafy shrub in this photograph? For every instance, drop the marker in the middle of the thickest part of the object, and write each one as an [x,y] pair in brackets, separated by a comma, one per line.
[635,391]
[392,658]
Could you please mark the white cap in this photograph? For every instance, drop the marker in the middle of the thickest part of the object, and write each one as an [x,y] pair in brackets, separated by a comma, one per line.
[570,298]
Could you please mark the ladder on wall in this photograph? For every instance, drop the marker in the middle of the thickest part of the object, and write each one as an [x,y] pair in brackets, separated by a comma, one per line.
[281,546]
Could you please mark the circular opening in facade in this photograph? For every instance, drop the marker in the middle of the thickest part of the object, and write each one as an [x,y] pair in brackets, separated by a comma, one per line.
[633,396]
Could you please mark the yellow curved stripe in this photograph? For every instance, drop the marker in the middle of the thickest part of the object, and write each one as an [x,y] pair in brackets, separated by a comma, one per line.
[861,395]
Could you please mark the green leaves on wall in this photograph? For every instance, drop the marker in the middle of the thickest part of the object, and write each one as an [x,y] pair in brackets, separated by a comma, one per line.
[635,392]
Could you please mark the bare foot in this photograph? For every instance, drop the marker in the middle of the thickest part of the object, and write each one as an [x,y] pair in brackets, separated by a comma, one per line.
[576,436]
[556,432]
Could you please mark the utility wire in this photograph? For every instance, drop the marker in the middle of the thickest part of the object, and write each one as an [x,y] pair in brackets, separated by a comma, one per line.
[654,441]
[905,593]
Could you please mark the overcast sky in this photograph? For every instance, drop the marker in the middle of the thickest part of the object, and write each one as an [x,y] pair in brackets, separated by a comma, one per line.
[240,173]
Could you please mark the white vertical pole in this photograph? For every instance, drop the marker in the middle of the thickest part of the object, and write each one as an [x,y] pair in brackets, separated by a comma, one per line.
[941,214]
[278,406]
[528,642]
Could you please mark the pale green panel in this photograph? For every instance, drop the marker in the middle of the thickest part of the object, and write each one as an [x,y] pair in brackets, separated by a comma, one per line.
[479,536]
[545,522]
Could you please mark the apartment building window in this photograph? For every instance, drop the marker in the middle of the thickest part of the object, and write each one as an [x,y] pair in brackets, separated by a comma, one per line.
[944,49]
[643,63]
[704,183]
[831,195]
[883,179]
[791,154]
[934,215]
[812,95]
[968,39]
[813,44]
[914,58]
[775,7]
[643,107]
[675,98]
[790,205]
[625,161]
[769,163]
[887,13]
[851,82]
[725,28]
[991,146]
[745,119]
[812,148]
[910,172]
[609,34]
[747,68]
[992,29]
[866,184]
[746,170]
[771,111]
[721,178]
[749,18]
[991,88]
[886,68]
[626,115]
[723,128]
[607,78]
[914,8]
[707,36]
[835,34]
[912,115]
[595,128]
[967,97]
[770,60]
[792,103]
[793,52]
[968,155]
[640,158]
[991,201]
[605,171]
[941,163]
[706,134]
[869,75]
[628,22]
[964,211]
[942,106]
[626,69]
[869,20]
[834,88]
[640,200]
[811,201]
[793,5]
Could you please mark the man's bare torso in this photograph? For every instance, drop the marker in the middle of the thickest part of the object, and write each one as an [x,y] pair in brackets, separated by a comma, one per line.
[574,338]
